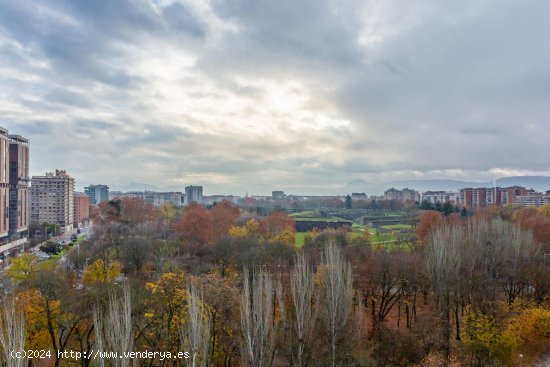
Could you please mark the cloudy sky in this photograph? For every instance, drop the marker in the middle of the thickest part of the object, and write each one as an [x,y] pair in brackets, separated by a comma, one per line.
[255,95]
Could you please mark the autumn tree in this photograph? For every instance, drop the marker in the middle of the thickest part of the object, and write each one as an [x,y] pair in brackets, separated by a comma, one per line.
[222,297]
[23,267]
[278,227]
[224,215]
[101,272]
[429,221]
[195,225]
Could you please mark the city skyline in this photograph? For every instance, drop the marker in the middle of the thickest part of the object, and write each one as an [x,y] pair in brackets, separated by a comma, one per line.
[305,97]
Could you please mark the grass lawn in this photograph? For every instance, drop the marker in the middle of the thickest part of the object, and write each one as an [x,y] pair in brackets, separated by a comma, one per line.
[300,236]
[318,219]
[397,226]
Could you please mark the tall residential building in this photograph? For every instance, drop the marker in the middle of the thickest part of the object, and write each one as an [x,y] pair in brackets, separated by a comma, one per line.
[19,187]
[81,208]
[193,194]
[97,193]
[4,185]
[52,199]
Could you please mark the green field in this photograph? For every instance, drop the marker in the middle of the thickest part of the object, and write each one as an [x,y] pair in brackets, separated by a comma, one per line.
[300,236]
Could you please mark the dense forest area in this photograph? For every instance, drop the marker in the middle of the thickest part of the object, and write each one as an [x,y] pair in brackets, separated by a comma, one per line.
[232,289]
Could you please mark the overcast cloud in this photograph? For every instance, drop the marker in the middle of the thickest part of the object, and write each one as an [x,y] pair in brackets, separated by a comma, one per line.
[255,95]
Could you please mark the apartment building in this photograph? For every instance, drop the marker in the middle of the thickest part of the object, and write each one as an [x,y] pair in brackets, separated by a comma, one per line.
[193,194]
[533,199]
[52,199]
[19,187]
[157,199]
[441,197]
[487,196]
[4,185]
[402,195]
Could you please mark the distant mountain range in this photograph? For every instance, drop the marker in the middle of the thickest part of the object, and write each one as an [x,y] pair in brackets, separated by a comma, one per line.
[538,183]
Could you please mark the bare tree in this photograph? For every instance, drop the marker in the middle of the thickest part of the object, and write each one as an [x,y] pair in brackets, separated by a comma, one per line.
[12,334]
[114,328]
[302,289]
[257,318]
[443,263]
[195,333]
[335,296]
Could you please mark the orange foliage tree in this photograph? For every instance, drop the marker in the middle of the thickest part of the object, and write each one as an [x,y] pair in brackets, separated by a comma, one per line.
[223,214]
[429,221]
[196,225]
[276,225]
[534,220]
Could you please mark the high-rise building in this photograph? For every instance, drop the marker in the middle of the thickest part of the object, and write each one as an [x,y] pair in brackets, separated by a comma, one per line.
[193,194]
[97,193]
[19,187]
[81,208]
[4,185]
[52,199]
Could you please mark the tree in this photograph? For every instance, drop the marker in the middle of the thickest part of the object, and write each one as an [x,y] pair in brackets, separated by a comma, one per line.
[222,297]
[100,272]
[12,334]
[50,248]
[430,220]
[275,224]
[443,263]
[224,215]
[348,202]
[257,324]
[196,225]
[195,332]
[114,328]
[334,297]
[23,266]
[302,290]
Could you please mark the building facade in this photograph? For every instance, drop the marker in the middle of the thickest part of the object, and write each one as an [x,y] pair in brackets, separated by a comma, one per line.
[157,199]
[19,187]
[441,197]
[97,193]
[193,194]
[4,185]
[488,196]
[533,199]
[81,209]
[402,195]
[52,199]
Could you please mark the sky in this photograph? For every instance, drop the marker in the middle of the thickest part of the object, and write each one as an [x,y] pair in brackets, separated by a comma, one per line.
[258,95]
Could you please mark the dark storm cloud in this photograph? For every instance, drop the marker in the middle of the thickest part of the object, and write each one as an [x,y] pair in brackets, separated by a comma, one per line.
[239,93]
